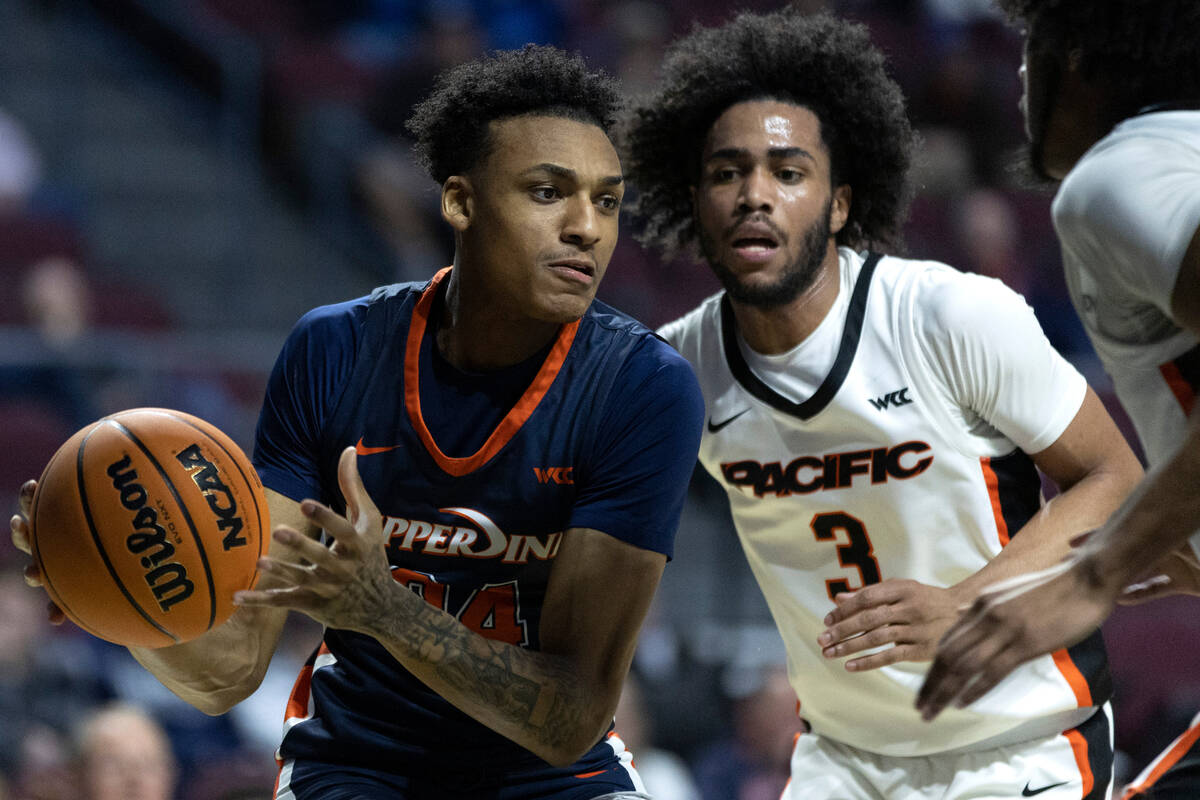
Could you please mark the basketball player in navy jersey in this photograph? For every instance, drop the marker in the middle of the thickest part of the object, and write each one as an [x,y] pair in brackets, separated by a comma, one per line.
[1112,107]
[877,422]
[498,463]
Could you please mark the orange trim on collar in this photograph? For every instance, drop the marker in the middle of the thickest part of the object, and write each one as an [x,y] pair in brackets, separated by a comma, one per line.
[512,421]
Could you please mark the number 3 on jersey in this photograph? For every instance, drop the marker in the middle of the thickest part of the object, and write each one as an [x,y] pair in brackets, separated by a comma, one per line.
[492,611]
[858,554]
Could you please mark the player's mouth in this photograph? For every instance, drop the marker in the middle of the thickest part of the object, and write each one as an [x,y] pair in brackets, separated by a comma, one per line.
[754,242]
[581,270]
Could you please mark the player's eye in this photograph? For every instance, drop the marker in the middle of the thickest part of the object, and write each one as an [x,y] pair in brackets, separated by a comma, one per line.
[545,193]
[609,202]
[789,174]
[724,174]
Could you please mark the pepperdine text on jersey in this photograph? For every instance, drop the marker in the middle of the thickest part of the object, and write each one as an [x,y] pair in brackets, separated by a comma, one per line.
[434,538]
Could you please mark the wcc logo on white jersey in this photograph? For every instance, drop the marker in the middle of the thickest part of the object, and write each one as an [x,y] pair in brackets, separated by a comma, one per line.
[891,400]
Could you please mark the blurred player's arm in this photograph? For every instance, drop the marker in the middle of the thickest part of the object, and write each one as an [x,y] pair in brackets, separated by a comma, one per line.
[224,666]
[556,702]
[1165,510]
[1026,617]
[1093,467]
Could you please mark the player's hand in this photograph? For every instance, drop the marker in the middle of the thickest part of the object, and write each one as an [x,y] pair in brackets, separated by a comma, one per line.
[1008,624]
[1177,573]
[343,585]
[908,615]
[22,538]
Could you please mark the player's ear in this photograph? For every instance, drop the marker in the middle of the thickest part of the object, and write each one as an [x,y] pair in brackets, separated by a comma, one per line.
[458,202]
[839,208]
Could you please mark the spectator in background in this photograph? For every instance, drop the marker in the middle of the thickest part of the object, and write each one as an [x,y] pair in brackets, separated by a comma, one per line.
[20,165]
[665,774]
[45,680]
[57,301]
[124,754]
[57,306]
[754,763]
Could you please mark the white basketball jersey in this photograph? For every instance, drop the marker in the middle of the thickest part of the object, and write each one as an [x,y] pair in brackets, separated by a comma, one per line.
[898,461]
[1125,216]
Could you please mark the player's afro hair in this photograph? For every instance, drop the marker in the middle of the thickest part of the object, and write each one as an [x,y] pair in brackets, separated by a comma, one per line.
[451,125]
[1146,50]
[820,62]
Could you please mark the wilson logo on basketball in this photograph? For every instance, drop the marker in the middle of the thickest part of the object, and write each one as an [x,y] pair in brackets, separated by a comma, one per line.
[168,581]
[208,480]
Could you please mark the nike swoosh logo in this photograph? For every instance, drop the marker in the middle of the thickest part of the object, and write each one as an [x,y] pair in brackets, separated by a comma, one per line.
[713,427]
[362,450]
[1027,792]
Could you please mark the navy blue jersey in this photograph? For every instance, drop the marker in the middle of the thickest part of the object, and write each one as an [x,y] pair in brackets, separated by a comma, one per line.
[602,434]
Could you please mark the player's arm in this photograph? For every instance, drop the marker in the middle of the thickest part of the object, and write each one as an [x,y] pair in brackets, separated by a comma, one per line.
[556,702]
[216,671]
[1043,612]
[1165,510]
[1094,469]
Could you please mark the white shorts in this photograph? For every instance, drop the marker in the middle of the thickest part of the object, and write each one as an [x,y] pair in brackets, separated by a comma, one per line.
[1076,764]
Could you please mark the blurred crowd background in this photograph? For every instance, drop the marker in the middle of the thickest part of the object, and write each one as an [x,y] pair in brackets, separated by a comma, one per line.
[181,179]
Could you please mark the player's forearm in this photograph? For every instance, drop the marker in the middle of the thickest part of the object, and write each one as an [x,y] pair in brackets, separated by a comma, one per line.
[1046,538]
[219,669]
[538,700]
[1158,517]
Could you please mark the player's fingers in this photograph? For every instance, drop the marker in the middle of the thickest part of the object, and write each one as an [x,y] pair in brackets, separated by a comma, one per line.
[26,497]
[360,508]
[953,666]
[55,614]
[20,533]
[299,598]
[942,684]
[885,634]
[884,658]
[305,548]
[877,594]
[1147,590]
[855,626]
[291,574]
[998,668]
[33,575]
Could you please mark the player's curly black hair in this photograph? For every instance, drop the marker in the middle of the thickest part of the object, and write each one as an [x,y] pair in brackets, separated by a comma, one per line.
[1146,50]
[820,62]
[451,125]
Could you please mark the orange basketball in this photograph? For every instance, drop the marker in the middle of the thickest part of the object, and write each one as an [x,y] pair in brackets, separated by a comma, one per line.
[144,525]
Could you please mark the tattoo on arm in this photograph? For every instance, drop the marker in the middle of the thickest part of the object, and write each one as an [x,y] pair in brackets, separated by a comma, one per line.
[524,687]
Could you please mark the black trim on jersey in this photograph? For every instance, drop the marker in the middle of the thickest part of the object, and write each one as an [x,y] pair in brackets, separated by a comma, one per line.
[837,373]
[1096,733]
[1091,659]
[1188,365]
[1018,487]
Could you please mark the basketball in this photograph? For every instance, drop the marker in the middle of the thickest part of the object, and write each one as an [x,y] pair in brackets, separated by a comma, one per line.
[144,525]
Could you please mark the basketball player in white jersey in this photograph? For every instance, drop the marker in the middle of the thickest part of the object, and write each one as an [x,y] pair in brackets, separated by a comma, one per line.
[1112,108]
[875,421]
